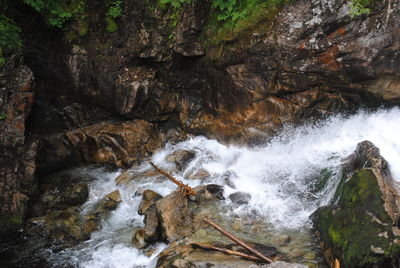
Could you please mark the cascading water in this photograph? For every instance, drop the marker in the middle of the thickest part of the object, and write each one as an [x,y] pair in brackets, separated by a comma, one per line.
[283,177]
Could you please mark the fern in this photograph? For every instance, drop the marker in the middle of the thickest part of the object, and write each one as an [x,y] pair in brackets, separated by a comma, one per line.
[58,12]
[115,10]
[9,36]
[9,33]
[359,7]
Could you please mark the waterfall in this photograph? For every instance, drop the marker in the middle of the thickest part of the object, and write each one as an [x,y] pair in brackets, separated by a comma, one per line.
[283,176]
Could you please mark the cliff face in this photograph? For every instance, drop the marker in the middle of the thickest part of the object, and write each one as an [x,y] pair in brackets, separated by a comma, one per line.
[168,73]
[17,153]
[308,59]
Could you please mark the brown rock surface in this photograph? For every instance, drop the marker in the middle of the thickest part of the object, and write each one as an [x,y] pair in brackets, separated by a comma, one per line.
[175,218]
[118,144]
[17,154]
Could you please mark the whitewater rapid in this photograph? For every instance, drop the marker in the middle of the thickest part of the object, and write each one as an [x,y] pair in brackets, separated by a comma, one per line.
[281,176]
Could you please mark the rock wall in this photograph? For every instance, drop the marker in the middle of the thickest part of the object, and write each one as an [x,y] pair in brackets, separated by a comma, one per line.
[311,59]
[17,154]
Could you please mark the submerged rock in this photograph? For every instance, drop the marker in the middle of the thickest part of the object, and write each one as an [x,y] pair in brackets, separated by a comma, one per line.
[199,174]
[282,264]
[208,192]
[240,198]
[362,228]
[127,176]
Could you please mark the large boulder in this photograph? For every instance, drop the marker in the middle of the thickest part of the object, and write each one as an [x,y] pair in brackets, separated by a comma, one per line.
[361,228]
[175,218]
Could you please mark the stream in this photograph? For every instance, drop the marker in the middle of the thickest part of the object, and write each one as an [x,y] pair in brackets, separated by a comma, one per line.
[283,177]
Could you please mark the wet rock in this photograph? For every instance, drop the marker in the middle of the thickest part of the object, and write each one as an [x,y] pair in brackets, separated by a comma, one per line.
[283,240]
[128,176]
[148,208]
[63,198]
[149,198]
[138,239]
[367,207]
[267,250]
[119,144]
[114,196]
[124,178]
[152,224]
[184,256]
[208,192]
[68,227]
[181,158]
[175,218]
[240,198]
[228,179]
[281,264]
[199,174]
[111,201]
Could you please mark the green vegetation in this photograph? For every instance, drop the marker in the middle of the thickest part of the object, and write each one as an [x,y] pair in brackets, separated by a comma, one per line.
[349,228]
[58,12]
[3,116]
[230,19]
[176,4]
[359,7]
[115,10]
[111,25]
[9,37]
[113,13]
[10,222]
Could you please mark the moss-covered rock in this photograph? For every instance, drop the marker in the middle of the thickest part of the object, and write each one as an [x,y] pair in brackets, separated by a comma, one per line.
[361,230]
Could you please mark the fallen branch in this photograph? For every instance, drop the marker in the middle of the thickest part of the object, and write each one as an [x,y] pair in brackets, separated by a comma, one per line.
[184,187]
[237,240]
[227,251]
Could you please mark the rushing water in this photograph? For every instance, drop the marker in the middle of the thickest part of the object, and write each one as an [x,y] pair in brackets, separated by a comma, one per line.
[281,176]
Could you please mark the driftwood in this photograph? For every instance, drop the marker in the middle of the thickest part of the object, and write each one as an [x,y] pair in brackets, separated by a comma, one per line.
[184,187]
[227,251]
[237,240]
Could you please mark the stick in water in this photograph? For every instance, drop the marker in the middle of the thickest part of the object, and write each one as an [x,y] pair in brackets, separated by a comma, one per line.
[188,190]
[227,251]
[237,240]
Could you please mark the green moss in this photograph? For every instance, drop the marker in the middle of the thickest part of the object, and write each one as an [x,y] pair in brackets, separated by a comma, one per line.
[9,37]
[11,223]
[350,229]
[57,13]
[245,17]
[83,28]
[111,25]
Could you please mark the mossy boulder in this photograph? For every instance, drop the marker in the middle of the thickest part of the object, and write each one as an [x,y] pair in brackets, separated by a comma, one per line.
[361,228]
